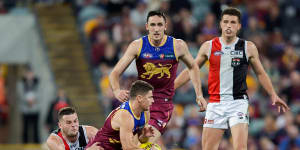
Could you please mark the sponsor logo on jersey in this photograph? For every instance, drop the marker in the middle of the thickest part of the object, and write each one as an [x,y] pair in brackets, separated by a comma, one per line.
[123,106]
[162,56]
[161,123]
[235,62]
[218,53]
[241,115]
[207,121]
[169,56]
[236,54]
[147,55]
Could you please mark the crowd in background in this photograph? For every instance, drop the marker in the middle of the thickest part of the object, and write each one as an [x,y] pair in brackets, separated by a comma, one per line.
[109,26]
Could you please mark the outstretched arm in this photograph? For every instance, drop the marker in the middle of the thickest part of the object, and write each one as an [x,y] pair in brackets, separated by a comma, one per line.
[263,78]
[193,71]
[91,132]
[54,143]
[114,77]
[95,146]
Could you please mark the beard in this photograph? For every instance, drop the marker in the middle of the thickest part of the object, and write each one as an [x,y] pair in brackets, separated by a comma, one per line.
[72,134]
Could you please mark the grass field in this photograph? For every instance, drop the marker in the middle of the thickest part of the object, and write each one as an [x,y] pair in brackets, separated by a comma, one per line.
[23,147]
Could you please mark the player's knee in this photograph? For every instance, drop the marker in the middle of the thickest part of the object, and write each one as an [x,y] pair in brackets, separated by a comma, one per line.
[209,144]
[205,144]
[240,146]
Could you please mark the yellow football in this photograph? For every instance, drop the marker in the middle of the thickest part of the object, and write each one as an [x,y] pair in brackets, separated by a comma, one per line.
[150,146]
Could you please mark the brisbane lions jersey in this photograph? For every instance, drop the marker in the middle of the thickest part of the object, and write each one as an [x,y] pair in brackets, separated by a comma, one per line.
[158,66]
[109,137]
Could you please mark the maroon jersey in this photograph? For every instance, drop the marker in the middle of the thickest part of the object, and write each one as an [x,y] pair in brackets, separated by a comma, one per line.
[109,137]
[158,66]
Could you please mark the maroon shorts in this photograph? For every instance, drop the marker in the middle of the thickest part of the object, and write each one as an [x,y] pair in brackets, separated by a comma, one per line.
[160,115]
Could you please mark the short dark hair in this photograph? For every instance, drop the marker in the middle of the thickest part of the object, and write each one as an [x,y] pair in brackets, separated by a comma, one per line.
[66,111]
[156,13]
[140,87]
[232,12]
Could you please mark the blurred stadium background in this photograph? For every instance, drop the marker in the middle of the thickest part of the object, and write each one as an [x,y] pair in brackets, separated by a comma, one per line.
[55,53]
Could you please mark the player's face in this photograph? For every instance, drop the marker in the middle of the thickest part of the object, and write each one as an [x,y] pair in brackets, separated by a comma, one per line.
[156,26]
[147,101]
[230,25]
[69,125]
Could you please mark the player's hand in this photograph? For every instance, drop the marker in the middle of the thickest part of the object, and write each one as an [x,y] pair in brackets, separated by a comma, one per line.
[95,146]
[148,131]
[122,95]
[201,103]
[281,105]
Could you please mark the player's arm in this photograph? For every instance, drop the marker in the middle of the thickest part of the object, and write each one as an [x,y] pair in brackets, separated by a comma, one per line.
[194,73]
[95,146]
[121,66]
[193,69]
[147,131]
[201,58]
[263,78]
[91,132]
[55,143]
[126,123]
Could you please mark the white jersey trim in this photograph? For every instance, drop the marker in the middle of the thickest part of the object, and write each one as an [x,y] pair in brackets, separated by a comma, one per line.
[246,50]
[229,45]
[85,134]
[209,50]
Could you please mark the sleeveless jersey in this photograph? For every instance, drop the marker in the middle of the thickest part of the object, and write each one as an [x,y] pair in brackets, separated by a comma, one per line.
[110,137]
[80,143]
[228,66]
[158,66]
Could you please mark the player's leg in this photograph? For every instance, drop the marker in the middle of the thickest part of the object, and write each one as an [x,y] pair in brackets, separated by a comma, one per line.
[26,123]
[211,138]
[238,122]
[240,136]
[156,137]
[160,115]
[214,126]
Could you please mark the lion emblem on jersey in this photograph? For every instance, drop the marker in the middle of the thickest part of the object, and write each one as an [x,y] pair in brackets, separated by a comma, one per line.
[151,70]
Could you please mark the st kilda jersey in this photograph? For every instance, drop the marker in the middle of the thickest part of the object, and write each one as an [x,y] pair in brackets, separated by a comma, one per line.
[80,143]
[228,66]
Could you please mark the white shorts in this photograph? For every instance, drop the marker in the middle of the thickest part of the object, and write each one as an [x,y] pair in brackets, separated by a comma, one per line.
[226,114]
